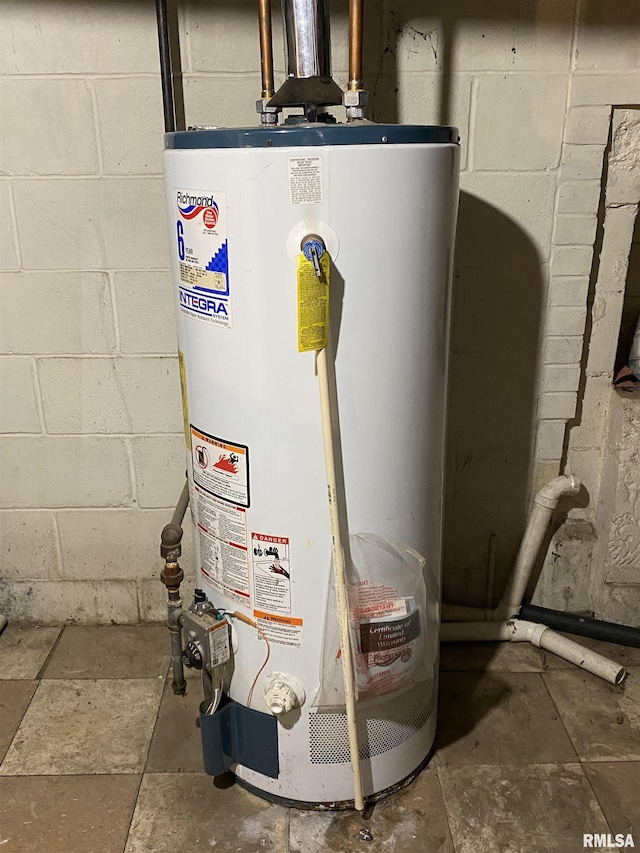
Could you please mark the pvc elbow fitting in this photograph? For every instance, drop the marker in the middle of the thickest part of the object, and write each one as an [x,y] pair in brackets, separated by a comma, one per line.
[550,494]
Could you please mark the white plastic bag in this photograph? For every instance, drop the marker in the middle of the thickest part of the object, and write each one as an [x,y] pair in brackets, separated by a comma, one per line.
[393,625]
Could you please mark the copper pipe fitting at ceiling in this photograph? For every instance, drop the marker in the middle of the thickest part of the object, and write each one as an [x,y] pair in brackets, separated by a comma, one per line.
[266,48]
[356,36]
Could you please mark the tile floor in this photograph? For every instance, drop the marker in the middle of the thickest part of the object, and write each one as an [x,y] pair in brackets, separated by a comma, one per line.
[98,756]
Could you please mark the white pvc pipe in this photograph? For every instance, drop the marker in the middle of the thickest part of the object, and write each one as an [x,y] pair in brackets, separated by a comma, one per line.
[585,658]
[543,505]
[339,571]
[520,631]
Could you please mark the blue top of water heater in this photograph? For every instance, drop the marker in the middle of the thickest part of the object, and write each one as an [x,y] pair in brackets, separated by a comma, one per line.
[308,134]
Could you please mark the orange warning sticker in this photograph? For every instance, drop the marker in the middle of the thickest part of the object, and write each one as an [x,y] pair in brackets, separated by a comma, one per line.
[273,617]
[282,630]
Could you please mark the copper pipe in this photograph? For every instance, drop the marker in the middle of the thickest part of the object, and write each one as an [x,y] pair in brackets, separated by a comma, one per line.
[266,48]
[356,36]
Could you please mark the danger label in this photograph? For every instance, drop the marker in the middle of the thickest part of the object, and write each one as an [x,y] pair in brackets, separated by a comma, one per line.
[305,180]
[271,572]
[220,467]
[282,630]
[222,537]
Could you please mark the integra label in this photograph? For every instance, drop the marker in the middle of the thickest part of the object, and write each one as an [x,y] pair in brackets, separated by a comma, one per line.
[213,309]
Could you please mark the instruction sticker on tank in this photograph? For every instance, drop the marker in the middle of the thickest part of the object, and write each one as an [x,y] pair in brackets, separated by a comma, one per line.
[271,573]
[305,180]
[222,536]
[281,630]
[313,304]
[220,467]
[203,263]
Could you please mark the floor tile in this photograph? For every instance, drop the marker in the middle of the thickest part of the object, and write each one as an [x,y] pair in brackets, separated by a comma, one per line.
[176,746]
[617,787]
[23,650]
[498,718]
[185,811]
[533,809]
[490,657]
[75,727]
[602,720]
[14,699]
[66,814]
[110,652]
[411,821]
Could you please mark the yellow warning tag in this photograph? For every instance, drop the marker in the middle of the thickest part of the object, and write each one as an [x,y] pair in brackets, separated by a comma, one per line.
[313,304]
[185,402]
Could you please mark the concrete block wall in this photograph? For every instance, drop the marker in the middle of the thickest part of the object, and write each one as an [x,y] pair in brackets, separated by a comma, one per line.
[91,452]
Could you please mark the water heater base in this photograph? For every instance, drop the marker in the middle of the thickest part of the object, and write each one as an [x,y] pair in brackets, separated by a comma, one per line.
[339,805]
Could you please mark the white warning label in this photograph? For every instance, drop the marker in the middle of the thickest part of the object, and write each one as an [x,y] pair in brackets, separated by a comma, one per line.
[219,645]
[222,535]
[305,180]
[220,467]
[202,250]
[271,573]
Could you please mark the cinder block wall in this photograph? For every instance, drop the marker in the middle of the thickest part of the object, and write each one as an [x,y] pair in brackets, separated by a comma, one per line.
[91,449]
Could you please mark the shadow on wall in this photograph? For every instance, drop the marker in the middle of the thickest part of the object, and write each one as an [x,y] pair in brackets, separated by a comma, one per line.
[498,298]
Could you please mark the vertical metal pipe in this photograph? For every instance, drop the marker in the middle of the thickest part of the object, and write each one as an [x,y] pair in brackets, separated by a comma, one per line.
[356,37]
[266,48]
[174,624]
[308,38]
[166,73]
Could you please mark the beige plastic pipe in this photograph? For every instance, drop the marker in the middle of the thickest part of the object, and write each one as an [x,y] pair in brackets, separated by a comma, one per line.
[521,631]
[543,505]
[339,570]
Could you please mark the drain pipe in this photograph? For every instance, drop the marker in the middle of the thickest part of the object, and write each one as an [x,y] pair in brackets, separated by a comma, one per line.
[476,624]
[584,626]
[543,505]
[520,631]
[3,623]
[172,576]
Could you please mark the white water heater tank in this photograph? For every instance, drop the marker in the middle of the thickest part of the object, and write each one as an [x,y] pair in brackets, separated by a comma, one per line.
[383,200]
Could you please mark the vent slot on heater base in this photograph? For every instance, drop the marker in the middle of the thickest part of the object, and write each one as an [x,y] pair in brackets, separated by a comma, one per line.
[387,726]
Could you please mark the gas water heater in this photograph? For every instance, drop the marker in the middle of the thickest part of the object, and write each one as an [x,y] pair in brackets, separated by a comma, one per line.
[312,265]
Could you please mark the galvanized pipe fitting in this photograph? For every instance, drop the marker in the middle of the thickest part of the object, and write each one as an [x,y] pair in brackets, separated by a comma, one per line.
[172,576]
